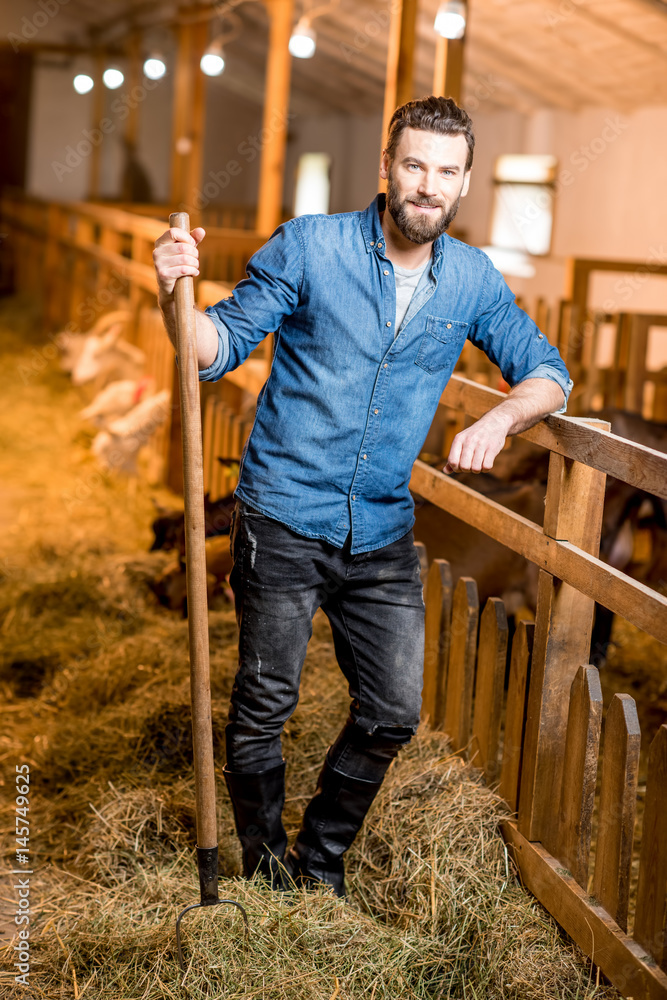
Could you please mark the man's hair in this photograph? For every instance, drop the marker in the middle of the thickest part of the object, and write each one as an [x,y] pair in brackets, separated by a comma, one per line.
[431,114]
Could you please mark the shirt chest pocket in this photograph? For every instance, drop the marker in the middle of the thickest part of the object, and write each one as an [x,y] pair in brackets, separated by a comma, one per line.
[441,344]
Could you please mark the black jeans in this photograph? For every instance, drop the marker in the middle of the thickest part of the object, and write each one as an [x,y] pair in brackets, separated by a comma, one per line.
[375,605]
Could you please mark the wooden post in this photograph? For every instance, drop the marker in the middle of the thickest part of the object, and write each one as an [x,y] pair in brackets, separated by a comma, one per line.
[188,117]
[98,114]
[400,62]
[276,109]
[563,626]
[133,80]
[448,71]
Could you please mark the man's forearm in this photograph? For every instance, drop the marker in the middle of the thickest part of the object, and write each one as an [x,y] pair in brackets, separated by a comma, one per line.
[527,403]
[207,334]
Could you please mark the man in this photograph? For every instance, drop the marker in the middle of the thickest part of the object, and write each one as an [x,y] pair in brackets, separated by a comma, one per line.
[370,312]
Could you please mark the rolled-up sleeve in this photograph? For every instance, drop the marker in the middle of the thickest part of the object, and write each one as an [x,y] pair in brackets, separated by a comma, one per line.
[510,338]
[260,302]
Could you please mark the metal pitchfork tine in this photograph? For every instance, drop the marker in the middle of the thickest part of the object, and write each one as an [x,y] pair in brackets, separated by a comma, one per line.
[195,567]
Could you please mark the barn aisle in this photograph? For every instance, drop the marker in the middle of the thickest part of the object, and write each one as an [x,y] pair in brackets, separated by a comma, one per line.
[94,678]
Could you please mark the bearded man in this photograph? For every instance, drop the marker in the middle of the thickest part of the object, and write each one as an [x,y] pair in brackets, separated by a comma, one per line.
[370,312]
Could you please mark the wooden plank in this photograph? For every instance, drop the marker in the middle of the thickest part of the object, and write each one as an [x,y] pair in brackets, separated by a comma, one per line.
[400,60]
[611,588]
[630,968]
[582,746]
[461,672]
[618,803]
[515,713]
[489,687]
[573,438]
[651,910]
[563,626]
[437,628]
[276,108]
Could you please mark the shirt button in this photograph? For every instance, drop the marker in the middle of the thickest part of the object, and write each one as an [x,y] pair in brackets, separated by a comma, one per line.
[376,411]
[540,336]
[380,245]
[384,365]
[386,272]
[364,456]
[449,326]
[373,243]
[354,496]
[388,323]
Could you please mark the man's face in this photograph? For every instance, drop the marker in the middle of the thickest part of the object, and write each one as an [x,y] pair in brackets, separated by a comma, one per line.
[425,182]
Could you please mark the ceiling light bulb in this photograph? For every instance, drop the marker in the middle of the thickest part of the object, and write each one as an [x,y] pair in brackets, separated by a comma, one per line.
[302,42]
[83,83]
[212,62]
[113,78]
[450,21]
[154,67]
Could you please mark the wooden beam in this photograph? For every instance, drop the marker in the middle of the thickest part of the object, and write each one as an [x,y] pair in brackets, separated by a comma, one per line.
[99,94]
[642,606]
[276,110]
[188,117]
[448,70]
[400,61]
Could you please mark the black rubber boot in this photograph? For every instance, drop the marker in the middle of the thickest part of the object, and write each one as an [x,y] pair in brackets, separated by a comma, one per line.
[257,800]
[330,823]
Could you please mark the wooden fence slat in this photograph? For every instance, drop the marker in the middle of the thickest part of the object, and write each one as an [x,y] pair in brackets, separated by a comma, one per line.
[582,745]
[616,814]
[437,634]
[461,672]
[515,715]
[651,910]
[489,687]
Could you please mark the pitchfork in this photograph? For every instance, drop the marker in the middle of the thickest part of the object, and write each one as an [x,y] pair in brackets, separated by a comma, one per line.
[195,568]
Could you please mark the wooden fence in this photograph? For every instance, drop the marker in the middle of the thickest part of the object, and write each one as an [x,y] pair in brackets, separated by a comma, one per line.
[539,743]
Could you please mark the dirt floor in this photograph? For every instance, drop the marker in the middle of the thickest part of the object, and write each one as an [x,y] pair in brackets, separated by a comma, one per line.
[94,682]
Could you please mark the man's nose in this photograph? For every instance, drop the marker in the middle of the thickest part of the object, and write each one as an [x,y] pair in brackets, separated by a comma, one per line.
[428,184]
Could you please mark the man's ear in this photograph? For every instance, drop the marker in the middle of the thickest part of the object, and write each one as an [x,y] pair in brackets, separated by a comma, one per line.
[384,165]
[466,183]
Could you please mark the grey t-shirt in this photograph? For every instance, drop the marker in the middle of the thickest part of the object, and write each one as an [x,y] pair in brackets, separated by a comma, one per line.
[406,283]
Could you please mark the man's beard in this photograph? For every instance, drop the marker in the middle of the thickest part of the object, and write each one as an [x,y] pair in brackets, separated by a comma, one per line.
[421,228]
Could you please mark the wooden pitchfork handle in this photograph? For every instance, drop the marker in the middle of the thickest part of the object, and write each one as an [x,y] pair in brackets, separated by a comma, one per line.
[195,577]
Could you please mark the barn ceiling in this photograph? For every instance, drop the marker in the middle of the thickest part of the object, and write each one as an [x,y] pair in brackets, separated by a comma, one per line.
[520,54]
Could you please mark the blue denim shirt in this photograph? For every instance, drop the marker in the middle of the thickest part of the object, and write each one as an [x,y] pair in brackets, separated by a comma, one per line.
[347,406]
